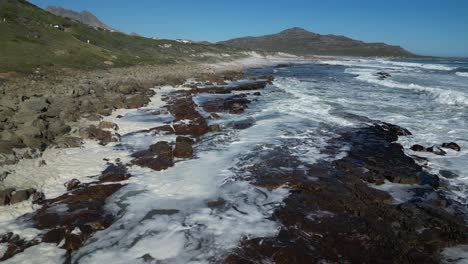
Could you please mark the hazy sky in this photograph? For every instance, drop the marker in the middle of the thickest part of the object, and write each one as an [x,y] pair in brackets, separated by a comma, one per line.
[429,27]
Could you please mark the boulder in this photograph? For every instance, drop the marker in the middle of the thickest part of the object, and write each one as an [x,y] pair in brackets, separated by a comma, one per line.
[21,196]
[215,128]
[183,148]
[451,145]
[161,148]
[58,127]
[108,125]
[114,173]
[92,132]
[72,184]
[418,148]
[156,163]
[5,196]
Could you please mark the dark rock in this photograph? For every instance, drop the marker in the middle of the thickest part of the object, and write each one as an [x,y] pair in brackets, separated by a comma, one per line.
[429,179]
[243,124]
[418,148]
[143,153]
[5,196]
[72,184]
[257,94]
[183,149]
[114,173]
[161,148]
[185,140]
[448,174]
[21,196]
[451,145]
[215,128]
[159,163]
[55,235]
[38,198]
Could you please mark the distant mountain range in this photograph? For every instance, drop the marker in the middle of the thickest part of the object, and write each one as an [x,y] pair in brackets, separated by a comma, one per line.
[299,41]
[84,17]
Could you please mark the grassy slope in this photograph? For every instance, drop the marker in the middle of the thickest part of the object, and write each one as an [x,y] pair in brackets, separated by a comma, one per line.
[28,41]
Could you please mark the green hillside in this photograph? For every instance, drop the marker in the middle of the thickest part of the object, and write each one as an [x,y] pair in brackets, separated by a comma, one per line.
[28,39]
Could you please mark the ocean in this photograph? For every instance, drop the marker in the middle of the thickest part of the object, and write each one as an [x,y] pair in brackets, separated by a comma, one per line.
[165,217]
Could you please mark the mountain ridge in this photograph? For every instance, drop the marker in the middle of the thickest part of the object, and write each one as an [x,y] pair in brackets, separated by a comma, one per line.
[84,17]
[299,41]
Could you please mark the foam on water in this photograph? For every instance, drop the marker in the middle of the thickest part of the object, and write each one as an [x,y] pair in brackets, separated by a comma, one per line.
[164,215]
[462,74]
[445,96]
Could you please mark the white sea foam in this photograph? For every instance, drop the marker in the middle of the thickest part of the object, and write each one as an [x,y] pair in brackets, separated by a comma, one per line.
[443,96]
[462,74]
[386,64]
[40,254]
[455,255]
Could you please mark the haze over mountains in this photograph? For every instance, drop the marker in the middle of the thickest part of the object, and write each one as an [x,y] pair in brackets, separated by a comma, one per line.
[299,41]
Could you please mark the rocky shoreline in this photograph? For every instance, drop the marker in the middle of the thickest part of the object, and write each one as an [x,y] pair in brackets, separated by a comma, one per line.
[46,109]
[335,212]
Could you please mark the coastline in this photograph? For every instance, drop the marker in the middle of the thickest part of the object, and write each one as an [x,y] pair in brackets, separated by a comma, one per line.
[108,170]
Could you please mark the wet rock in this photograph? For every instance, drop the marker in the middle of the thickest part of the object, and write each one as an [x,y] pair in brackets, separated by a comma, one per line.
[55,235]
[14,245]
[72,184]
[92,132]
[257,94]
[38,198]
[448,174]
[5,196]
[332,215]
[21,196]
[183,148]
[215,128]
[451,145]
[114,173]
[108,125]
[242,124]
[80,210]
[156,163]
[161,148]
[418,148]
[249,85]
[187,140]
[234,104]
[214,116]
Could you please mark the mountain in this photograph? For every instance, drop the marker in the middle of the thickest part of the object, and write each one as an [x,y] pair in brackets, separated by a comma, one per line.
[299,41]
[84,17]
[32,37]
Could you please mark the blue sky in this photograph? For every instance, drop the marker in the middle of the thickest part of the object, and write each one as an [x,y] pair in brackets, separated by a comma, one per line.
[429,27]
